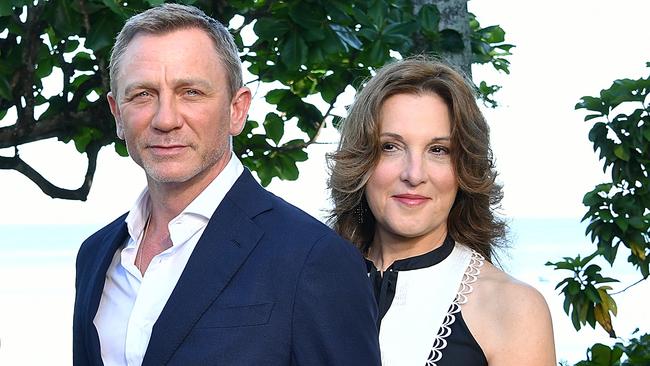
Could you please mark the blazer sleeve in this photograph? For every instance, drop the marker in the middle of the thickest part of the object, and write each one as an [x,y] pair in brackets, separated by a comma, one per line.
[335,314]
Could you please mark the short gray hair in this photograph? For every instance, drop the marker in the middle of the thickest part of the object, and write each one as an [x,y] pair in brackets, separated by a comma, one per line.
[171,17]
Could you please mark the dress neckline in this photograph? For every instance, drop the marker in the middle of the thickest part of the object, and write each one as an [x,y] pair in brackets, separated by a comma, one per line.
[425,260]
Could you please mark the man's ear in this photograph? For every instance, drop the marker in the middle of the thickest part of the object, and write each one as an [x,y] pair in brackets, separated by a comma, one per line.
[239,105]
[115,110]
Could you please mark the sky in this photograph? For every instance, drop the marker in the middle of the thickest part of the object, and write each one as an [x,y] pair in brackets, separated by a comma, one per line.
[564,50]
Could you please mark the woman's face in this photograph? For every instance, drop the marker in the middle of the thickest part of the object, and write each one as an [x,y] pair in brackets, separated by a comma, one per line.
[413,186]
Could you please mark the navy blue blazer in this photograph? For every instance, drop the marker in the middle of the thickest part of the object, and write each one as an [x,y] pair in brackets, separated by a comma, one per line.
[266,285]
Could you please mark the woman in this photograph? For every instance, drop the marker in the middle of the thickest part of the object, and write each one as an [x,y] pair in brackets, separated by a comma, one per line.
[413,185]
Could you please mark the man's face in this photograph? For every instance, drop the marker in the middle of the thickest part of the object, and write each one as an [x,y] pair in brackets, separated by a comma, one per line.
[172,107]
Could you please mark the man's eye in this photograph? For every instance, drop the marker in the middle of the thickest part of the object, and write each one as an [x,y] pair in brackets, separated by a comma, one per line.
[192,92]
[141,94]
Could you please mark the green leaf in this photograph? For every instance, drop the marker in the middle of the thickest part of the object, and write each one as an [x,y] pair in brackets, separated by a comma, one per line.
[66,20]
[288,168]
[561,265]
[308,15]
[368,33]
[377,12]
[153,3]
[339,11]
[332,43]
[572,288]
[289,104]
[621,223]
[400,28]
[601,355]
[120,148]
[347,36]
[298,154]
[605,215]
[5,88]
[276,95]
[622,153]
[274,127]
[592,294]
[592,270]
[592,104]
[646,132]
[493,34]
[376,54]
[429,18]
[71,45]
[332,86]
[5,8]
[294,51]
[102,33]
[598,132]
[637,223]
[269,28]
[591,199]
[265,172]
[115,7]
[451,40]
[84,137]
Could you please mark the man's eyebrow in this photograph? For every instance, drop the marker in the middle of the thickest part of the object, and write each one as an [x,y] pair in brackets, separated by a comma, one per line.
[137,85]
[182,82]
[192,82]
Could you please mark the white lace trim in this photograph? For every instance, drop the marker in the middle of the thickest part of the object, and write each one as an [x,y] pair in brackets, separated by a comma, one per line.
[471,274]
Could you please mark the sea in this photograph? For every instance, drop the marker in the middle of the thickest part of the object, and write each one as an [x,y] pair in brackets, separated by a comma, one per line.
[37,287]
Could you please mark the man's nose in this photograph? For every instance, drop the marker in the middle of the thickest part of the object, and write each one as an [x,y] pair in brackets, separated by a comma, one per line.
[167,117]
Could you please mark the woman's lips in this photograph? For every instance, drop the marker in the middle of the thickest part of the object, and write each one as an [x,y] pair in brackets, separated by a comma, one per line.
[410,199]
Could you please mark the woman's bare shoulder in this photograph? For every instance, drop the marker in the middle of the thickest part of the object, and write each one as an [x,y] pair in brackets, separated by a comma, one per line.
[506,292]
[512,320]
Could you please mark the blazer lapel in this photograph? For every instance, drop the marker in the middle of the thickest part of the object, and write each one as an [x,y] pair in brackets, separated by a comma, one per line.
[227,241]
[97,277]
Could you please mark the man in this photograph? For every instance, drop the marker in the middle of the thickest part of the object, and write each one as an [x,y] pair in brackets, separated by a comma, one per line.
[208,268]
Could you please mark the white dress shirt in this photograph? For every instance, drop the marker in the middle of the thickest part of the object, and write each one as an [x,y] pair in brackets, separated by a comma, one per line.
[131,303]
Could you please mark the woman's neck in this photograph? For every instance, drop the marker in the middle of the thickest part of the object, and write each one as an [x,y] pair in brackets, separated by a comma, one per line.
[387,248]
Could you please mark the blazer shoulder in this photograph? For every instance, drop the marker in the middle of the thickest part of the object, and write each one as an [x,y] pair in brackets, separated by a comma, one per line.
[266,208]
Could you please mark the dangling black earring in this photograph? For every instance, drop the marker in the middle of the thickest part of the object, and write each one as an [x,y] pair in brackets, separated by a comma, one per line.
[358,211]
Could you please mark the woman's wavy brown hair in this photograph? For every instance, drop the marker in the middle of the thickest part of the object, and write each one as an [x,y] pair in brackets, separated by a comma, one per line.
[472,220]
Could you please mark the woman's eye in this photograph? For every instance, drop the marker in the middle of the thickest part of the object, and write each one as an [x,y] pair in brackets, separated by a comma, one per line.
[439,150]
[387,146]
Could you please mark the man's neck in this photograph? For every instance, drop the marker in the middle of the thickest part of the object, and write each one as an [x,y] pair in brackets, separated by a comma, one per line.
[168,200]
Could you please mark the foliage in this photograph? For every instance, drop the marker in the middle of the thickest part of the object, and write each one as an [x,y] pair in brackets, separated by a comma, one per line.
[309,48]
[618,211]
[588,303]
[637,353]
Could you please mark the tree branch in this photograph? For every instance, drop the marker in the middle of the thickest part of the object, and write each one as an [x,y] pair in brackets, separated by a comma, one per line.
[312,140]
[60,126]
[15,135]
[630,286]
[81,193]
[34,28]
